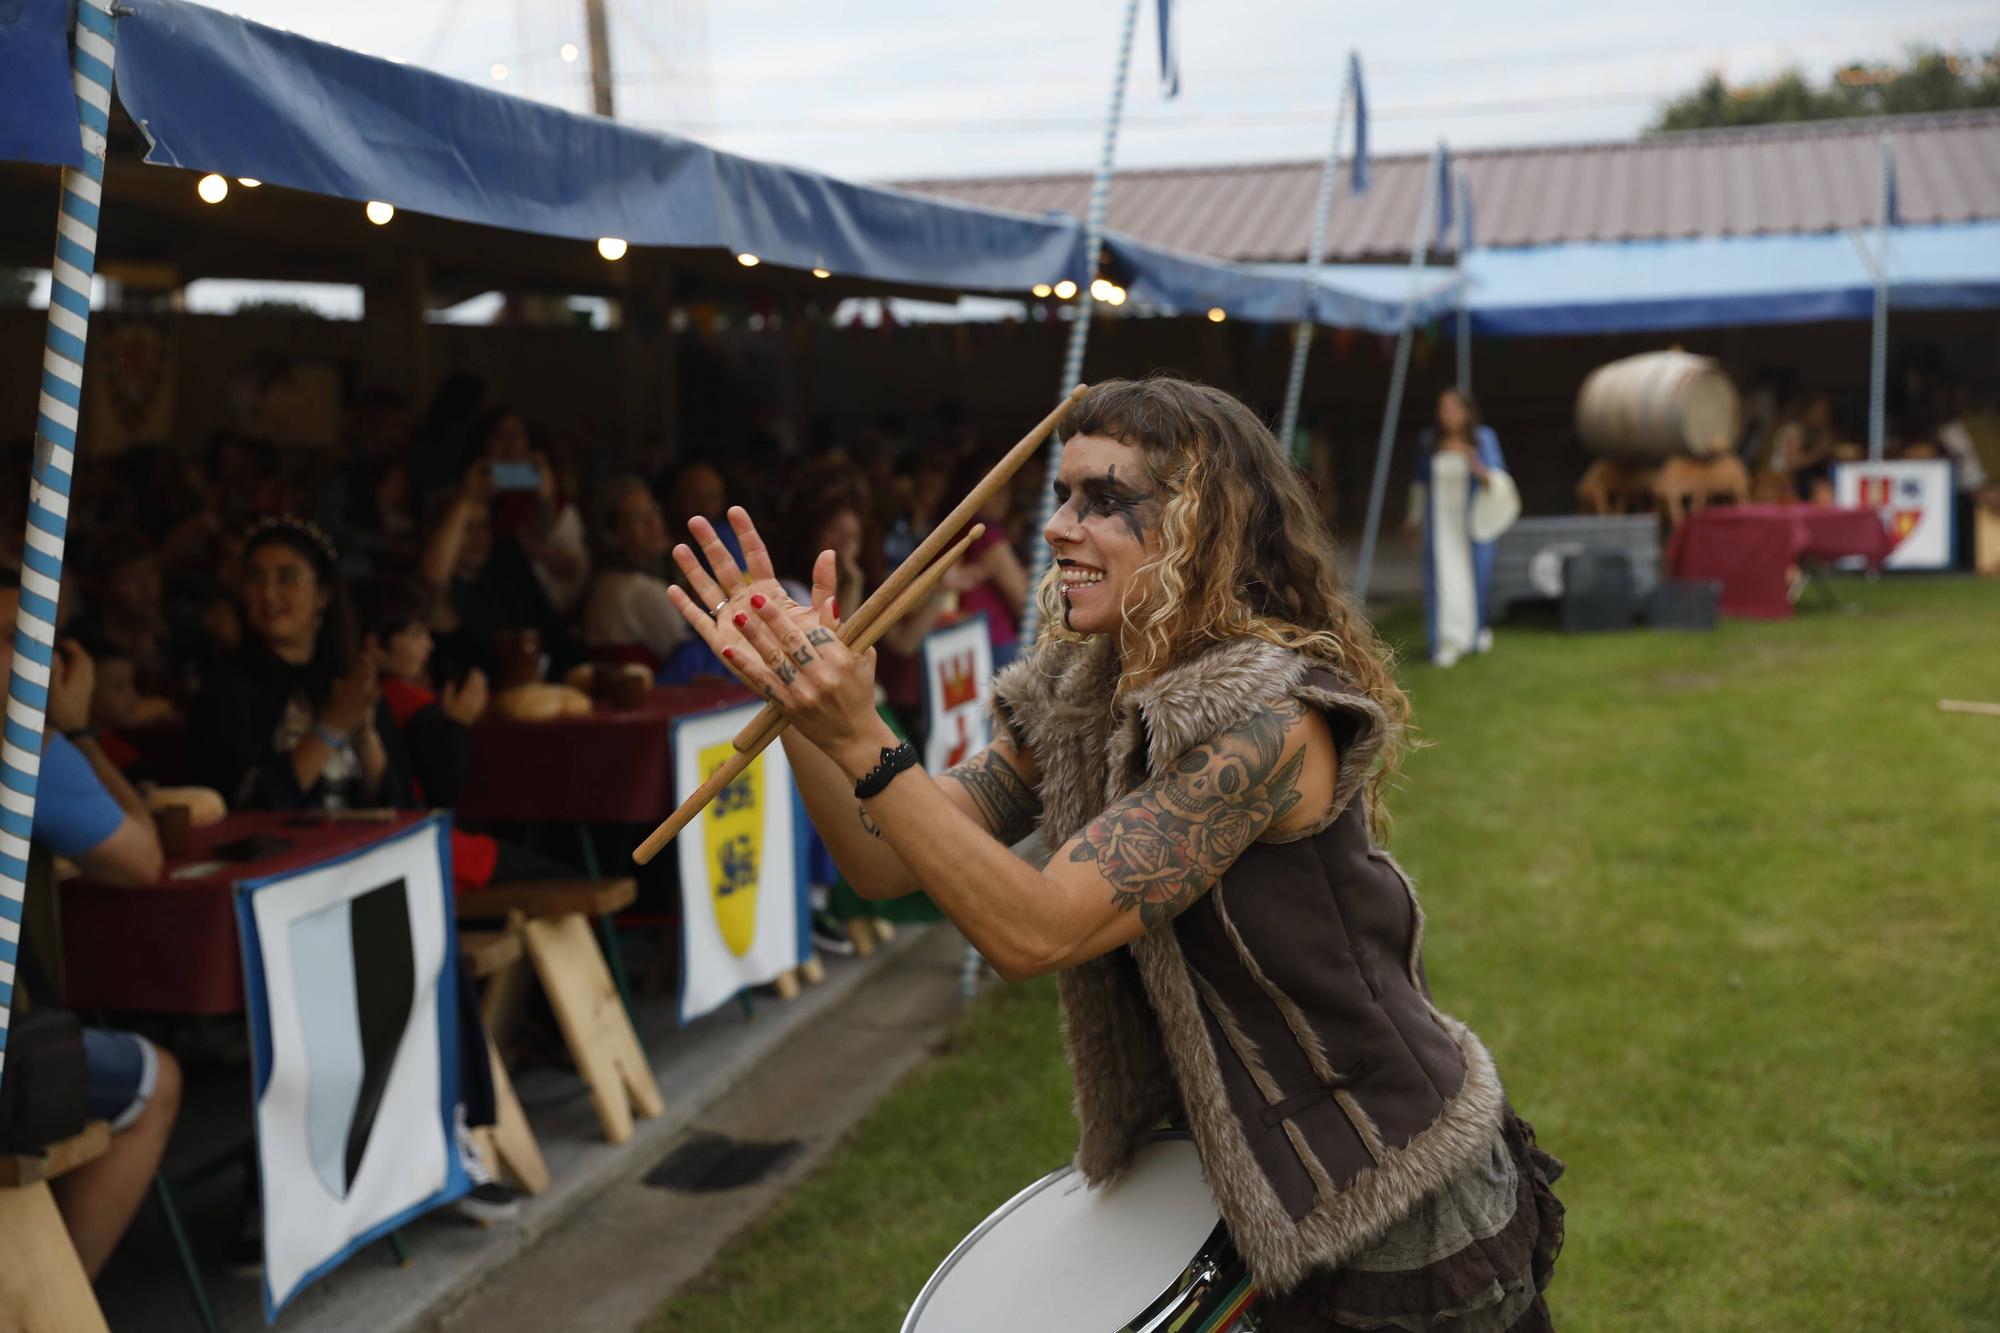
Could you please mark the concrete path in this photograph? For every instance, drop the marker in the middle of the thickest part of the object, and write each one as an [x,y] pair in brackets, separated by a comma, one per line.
[612,1262]
[717,1072]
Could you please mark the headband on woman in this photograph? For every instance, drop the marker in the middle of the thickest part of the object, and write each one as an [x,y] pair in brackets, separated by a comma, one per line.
[291,525]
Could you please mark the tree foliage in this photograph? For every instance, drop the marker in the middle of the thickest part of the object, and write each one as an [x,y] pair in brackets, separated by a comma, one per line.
[1928,79]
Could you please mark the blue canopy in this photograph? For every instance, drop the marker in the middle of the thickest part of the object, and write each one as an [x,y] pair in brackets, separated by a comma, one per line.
[214,92]
[1361,296]
[1643,286]
[37,104]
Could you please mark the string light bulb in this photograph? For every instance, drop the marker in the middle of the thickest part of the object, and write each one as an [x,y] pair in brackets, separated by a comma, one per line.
[1065,290]
[499,71]
[822,273]
[1216,314]
[748,260]
[611,248]
[248,183]
[379,213]
[1116,296]
[570,53]
[1041,291]
[1101,289]
[212,188]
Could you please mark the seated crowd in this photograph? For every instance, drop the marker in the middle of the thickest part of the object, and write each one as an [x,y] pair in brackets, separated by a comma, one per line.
[323,629]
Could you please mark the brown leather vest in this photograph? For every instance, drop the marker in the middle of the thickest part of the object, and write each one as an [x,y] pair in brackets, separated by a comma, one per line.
[1285,1012]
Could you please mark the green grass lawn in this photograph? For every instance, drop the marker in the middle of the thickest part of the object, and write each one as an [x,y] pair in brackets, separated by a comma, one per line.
[1726,908]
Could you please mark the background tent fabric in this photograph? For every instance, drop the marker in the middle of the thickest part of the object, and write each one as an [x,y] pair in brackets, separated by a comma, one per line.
[1642,286]
[1360,296]
[37,101]
[214,92]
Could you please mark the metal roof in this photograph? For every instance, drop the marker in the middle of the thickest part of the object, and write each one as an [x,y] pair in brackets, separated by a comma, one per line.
[1815,176]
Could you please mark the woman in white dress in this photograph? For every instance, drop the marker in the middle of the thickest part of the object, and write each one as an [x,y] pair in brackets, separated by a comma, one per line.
[1460,469]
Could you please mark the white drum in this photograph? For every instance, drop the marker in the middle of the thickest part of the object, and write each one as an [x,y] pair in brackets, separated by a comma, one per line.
[1146,1254]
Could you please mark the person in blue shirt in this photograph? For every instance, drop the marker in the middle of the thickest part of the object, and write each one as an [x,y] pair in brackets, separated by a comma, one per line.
[87,813]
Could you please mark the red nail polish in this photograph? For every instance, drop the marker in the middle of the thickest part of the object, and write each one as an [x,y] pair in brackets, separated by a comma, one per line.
[757,601]
[836,608]
[741,620]
[729,653]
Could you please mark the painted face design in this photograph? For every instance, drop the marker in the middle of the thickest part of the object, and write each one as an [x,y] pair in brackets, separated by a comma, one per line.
[1104,530]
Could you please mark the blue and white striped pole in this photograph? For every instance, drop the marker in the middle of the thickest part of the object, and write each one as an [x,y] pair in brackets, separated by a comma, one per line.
[1079,329]
[91,59]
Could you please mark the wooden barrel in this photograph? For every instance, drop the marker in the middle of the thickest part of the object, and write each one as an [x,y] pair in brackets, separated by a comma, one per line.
[1658,404]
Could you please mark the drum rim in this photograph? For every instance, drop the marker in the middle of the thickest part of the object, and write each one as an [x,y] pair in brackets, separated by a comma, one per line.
[994,1218]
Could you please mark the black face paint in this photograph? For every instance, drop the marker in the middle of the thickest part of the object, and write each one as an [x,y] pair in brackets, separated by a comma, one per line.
[1106,497]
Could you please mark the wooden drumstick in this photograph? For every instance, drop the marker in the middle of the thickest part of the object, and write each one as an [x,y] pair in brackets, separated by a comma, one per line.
[927,550]
[914,592]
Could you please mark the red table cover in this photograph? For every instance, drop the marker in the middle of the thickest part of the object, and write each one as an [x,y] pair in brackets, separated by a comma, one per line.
[170,948]
[1749,549]
[608,766]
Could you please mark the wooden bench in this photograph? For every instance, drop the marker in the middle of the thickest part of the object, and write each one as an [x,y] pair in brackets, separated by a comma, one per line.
[43,1288]
[592,1010]
[598,899]
[510,1141]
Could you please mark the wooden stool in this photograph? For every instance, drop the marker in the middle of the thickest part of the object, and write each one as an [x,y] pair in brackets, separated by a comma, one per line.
[1687,485]
[1611,488]
[43,1288]
[509,1142]
[595,898]
[595,1024]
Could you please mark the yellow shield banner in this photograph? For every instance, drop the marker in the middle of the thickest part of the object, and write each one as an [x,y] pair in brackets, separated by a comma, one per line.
[733,831]
[742,895]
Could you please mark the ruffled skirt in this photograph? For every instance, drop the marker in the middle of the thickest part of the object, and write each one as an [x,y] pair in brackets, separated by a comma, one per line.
[1473,1257]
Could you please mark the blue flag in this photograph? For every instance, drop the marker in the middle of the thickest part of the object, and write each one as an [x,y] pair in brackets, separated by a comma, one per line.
[1464,209]
[1441,193]
[1889,218]
[1359,181]
[1170,54]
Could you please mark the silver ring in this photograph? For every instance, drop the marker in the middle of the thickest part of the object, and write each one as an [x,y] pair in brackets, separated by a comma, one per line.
[716,614]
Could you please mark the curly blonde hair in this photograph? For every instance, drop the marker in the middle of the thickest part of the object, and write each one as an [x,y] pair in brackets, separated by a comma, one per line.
[1244,552]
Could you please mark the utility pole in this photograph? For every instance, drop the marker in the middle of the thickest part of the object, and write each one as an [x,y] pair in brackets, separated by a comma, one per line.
[600,56]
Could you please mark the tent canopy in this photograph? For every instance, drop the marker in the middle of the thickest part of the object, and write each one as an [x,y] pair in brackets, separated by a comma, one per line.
[37,105]
[214,92]
[1704,282]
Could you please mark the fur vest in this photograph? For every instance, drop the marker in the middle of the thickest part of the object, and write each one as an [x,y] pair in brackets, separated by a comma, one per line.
[1285,1013]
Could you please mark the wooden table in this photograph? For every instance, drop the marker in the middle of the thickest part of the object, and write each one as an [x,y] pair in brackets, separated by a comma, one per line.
[171,947]
[609,766]
[1751,550]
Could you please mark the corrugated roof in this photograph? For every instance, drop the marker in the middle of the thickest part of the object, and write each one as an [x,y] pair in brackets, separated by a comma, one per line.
[1812,177]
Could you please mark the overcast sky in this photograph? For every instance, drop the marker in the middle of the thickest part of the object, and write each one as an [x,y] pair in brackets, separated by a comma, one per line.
[888,89]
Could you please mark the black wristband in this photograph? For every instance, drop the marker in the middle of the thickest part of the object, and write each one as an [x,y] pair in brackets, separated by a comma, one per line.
[893,762]
[78,735]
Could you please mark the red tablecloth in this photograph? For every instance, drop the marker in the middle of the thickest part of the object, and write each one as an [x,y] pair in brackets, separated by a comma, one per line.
[610,766]
[1749,548]
[171,948]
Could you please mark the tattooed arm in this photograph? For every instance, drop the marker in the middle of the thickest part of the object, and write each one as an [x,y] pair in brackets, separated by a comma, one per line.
[996,787]
[1137,865]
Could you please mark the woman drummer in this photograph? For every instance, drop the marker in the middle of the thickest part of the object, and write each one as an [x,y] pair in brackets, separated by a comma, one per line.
[1201,737]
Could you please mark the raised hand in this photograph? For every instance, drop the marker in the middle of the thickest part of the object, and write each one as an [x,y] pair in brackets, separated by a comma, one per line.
[719,597]
[465,702]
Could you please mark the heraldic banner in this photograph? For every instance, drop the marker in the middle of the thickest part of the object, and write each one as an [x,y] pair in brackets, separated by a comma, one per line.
[1914,497]
[742,895]
[350,972]
[958,693]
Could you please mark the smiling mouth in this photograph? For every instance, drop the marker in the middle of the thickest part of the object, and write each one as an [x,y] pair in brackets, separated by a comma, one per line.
[1075,576]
